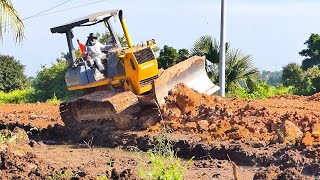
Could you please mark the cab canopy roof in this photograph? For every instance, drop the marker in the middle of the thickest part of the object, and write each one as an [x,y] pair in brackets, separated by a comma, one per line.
[85,21]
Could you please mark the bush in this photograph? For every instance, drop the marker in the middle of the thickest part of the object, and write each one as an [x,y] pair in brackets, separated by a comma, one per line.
[18,96]
[50,82]
[163,163]
[261,91]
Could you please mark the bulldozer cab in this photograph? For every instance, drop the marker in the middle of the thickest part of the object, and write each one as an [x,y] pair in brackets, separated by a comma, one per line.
[90,20]
[81,74]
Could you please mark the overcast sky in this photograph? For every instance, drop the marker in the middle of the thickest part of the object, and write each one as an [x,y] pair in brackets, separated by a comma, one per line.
[272,31]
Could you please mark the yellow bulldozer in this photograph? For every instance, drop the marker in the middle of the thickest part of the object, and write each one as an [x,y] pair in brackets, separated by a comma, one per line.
[132,80]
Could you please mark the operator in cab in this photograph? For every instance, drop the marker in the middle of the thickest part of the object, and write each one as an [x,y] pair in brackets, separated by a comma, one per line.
[95,49]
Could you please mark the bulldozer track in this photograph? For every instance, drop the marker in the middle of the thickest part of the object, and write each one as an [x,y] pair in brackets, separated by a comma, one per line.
[99,113]
[67,116]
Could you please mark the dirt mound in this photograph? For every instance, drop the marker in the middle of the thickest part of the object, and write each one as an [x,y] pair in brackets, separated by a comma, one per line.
[38,115]
[187,100]
[17,158]
[274,172]
[315,97]
[288,96]
[233,119]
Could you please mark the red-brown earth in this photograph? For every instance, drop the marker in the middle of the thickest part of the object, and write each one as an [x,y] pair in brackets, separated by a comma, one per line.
[276,138]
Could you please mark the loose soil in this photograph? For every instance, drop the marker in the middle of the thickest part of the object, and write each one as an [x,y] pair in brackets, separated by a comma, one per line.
[276,138]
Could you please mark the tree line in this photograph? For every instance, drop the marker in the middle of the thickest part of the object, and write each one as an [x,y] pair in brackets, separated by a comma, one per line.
[242,78]
[305,78]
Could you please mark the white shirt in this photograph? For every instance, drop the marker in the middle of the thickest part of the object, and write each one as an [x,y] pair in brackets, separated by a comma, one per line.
[96,50]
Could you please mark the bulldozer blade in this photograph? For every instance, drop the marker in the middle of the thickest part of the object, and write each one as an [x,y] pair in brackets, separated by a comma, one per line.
[190,72]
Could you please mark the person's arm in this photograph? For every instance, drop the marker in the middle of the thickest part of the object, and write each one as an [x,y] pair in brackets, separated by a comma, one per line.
[105,47]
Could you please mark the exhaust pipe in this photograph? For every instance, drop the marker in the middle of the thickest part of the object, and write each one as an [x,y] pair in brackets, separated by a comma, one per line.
[125,30]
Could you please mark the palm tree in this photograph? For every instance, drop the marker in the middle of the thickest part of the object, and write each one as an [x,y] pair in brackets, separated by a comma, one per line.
[206,46]
[239,67]
[9,17]
[209,47]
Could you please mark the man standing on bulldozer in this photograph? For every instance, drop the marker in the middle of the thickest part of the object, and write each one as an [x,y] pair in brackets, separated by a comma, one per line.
[94,49]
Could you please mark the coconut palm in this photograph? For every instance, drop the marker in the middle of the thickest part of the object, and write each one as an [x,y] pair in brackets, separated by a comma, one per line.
[9,17]
[206,46]
[239,67]
[209,47]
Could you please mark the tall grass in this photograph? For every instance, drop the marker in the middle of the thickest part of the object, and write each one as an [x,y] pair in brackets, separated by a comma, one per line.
[18,96]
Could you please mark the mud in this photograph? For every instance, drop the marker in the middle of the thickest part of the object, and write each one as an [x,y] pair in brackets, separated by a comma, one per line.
[276,120]
[276,138]
[18,160]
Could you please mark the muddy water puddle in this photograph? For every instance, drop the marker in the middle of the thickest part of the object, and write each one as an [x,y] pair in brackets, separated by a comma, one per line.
[98,160]
[69,153]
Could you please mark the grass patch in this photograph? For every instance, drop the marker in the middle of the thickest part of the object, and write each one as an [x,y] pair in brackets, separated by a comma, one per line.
[104,177]
[7,136]
[18,135]
[62,175]
[53,100]
[162,162]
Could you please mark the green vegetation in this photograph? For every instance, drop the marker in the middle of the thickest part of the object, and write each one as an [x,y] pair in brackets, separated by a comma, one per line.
[207,46]
[50,81]
[18,96]
[104,177]
[11,74]
[105,38]
[163,162]
[48,86]
[7,136]
[260,91]
[305,79]
[239,66]
[304,82]
[239,70]
[311,53]
[243,80]
[170,56]
[61,175]
[53,100]
[10,16]
[272,78]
